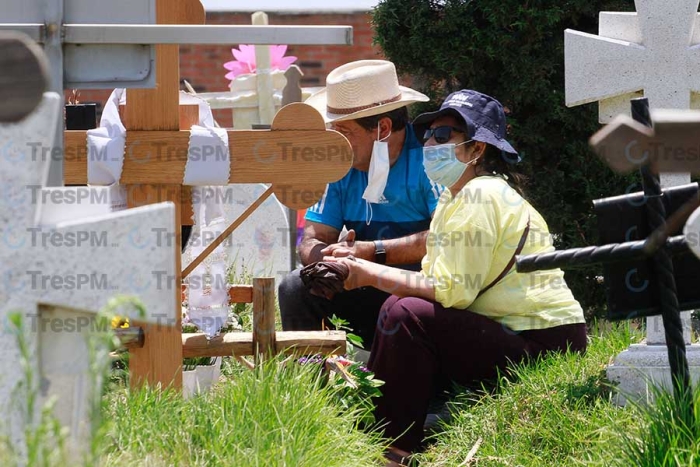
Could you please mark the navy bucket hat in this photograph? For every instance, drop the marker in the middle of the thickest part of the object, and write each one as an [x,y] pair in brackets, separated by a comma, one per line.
[483,115]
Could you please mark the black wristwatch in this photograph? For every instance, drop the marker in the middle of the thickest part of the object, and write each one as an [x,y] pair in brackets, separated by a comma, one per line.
[379,252]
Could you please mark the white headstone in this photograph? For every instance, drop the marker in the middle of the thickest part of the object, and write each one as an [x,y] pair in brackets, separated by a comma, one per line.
[59,275]
[655,51]
[259,247]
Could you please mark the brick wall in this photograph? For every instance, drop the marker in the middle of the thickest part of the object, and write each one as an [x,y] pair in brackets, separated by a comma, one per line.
[202,65]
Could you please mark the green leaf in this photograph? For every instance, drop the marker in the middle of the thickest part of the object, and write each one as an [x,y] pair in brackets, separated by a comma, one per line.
[354,339]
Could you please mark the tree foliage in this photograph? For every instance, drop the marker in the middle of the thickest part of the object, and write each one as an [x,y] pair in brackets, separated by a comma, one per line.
[513,50]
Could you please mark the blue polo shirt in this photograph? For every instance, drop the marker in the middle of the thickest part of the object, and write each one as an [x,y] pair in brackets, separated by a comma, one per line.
[406,207]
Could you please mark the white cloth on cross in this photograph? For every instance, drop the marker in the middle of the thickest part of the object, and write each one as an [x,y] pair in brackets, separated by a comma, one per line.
[208,160]
[106,144]
[207,285]
[208,165]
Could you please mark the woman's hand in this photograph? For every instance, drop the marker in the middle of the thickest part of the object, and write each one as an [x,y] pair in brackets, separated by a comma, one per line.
[359,275]
[363,273]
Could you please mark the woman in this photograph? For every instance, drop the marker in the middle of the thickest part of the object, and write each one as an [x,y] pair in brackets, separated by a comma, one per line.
[468,313]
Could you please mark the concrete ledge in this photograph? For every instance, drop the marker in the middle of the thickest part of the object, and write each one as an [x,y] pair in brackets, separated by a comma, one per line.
[642,364]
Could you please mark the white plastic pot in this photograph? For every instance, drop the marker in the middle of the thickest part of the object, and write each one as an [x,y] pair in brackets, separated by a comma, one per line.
[201,379]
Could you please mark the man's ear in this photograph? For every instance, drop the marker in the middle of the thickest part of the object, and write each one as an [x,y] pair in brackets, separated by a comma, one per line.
[385,127]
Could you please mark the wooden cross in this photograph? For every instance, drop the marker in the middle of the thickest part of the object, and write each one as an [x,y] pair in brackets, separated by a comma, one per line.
[298,156]
[107,44]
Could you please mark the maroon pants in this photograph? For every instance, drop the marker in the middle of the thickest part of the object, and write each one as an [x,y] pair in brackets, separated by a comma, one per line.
[419,344]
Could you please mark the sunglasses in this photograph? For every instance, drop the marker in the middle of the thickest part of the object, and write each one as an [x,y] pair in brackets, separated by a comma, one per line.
[442,134]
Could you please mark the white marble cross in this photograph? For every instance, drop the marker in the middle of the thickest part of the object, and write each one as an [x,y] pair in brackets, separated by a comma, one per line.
[59,269]
[656,50]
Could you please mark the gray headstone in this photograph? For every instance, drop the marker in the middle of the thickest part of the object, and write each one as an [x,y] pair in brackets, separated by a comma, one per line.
[59,275]
[93,66]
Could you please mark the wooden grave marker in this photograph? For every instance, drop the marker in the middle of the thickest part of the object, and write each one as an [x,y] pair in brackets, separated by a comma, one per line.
[297,156]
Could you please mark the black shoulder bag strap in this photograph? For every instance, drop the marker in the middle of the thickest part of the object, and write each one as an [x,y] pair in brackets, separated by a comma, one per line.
[512,260]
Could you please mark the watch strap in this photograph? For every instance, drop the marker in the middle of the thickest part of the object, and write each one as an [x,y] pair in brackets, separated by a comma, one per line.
[379,252]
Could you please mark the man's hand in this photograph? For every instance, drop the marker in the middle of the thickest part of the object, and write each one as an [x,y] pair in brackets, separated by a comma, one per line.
[349,247]
[316,237]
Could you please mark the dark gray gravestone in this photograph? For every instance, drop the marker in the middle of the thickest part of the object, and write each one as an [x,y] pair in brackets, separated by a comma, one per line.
[23,76]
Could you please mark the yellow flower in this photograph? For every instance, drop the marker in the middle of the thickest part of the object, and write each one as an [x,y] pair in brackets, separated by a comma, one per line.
[120,322]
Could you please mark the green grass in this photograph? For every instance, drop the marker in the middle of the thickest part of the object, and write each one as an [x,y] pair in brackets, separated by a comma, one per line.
[668,440]
[272,416]
[556,412]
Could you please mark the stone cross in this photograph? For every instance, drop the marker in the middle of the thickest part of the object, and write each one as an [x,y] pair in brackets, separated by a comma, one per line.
[60,268]
[657,51]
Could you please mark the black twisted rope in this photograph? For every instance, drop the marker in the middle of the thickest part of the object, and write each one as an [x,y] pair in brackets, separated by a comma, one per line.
[610,253]
[665,280]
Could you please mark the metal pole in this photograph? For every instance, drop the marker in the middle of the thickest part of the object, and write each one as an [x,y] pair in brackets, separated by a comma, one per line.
[143,34]
[206,34]
[665,280]
[53,30]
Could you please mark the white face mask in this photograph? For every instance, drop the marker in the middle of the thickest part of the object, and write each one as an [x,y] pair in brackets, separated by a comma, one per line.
[378,170]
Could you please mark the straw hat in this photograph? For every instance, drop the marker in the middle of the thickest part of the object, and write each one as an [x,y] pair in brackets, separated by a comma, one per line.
[361,89]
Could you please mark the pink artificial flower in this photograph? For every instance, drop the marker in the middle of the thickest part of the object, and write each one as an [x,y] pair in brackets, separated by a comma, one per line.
[245,60]
[277,59]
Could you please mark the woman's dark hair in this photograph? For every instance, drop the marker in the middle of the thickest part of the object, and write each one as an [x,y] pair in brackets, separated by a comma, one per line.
[495,161]
[398,117]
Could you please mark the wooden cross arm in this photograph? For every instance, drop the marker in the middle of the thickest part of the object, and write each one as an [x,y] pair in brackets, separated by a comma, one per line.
[241,343]
[305,157]
[298,156]
[673,145]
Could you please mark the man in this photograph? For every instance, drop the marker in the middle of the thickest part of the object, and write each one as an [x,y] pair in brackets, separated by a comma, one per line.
[385,202]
